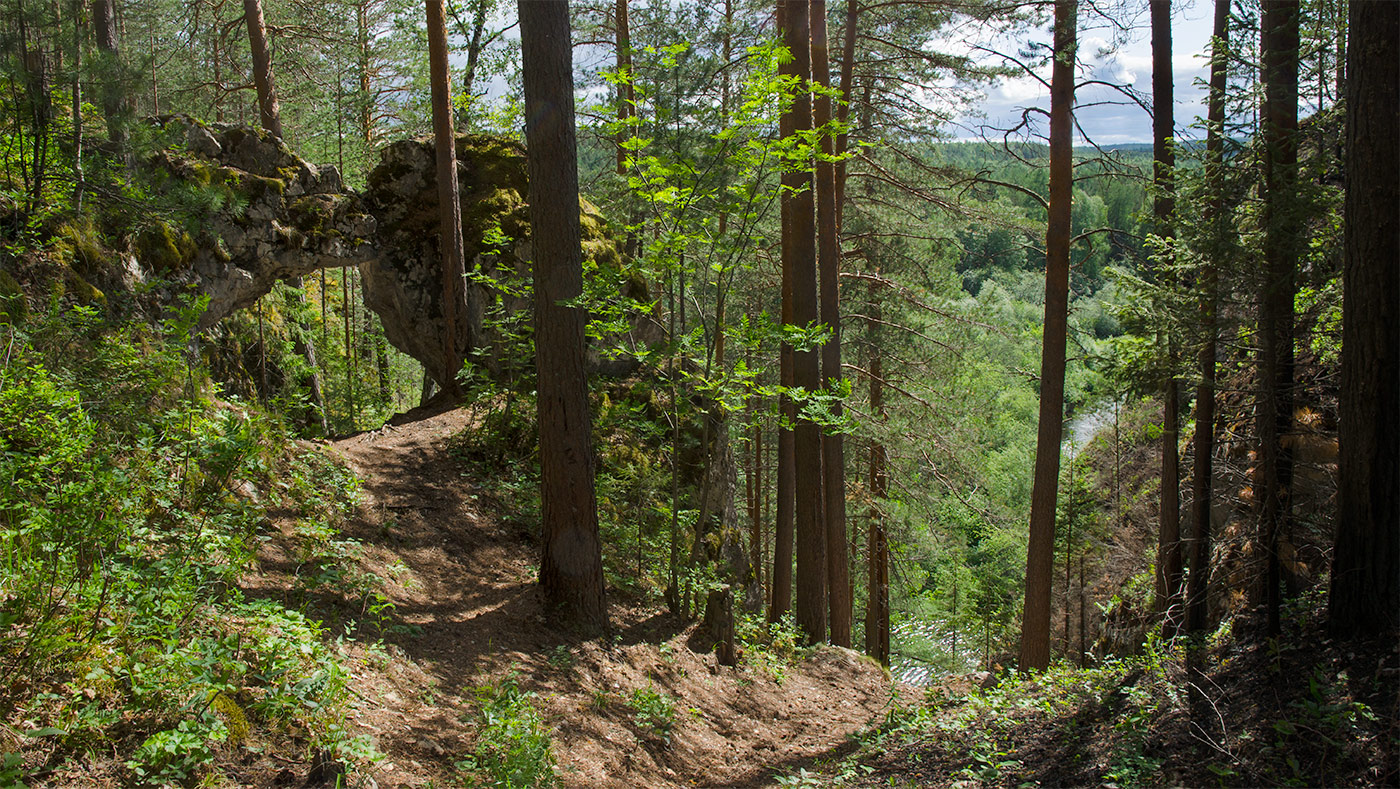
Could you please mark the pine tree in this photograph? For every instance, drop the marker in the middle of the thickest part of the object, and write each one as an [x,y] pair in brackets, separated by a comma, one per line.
[1365,597]
[571,566]
[1040,554]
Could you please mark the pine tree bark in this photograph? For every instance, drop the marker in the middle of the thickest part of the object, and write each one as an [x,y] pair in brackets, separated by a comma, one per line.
[877,607]
[366,98]
[454,306]
[269,115]
[1202,484]
[104,27]
[1274,408]
[474,47]
[843,111]
[303,347]
[783,537]
[571,566]
[1040,554]
[77,104]
[1365,597]
[1163,206]
[625,91]
[269,110]
[800,257]
[828,262]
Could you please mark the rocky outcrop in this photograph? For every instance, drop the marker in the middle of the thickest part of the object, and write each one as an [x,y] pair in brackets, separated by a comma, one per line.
[265,214]
[403,283]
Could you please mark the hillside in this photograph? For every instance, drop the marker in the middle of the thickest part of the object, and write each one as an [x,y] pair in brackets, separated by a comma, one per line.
[647,706]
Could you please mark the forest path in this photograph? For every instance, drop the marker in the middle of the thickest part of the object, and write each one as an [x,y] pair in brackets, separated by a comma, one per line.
[459,569]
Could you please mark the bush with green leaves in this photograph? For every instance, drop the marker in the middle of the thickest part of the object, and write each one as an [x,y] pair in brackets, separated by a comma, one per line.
[653,710]
[513,749]
[130,507]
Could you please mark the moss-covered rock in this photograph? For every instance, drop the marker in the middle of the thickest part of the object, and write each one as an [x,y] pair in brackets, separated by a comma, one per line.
[272,215]
[166,249]
[403,285]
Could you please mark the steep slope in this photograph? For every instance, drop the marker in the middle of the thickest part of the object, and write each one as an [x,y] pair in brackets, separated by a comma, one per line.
[639,709]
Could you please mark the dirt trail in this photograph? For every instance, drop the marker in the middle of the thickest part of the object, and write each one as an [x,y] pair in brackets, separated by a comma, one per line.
[464,578]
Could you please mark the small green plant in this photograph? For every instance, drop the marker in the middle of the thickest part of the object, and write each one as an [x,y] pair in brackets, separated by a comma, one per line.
[803,777]
[653,710]
[561,658]
[600,699]
[175,755]
[769,648]
[513,749]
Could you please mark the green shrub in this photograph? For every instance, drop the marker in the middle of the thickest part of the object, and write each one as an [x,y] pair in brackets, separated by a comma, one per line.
[653,710]
[513,749]
[126,524]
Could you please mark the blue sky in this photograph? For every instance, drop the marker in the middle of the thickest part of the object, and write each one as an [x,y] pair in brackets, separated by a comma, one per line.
[1106,115]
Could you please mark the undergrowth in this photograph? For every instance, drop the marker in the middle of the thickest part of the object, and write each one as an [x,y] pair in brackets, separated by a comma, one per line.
[513,749]
[132,501]
[1256,711]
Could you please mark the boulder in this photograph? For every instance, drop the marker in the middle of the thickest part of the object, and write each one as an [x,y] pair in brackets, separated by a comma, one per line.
[267,215]
[403,284]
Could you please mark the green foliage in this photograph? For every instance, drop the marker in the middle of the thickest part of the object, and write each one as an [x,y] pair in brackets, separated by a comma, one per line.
[653,710]
[633,484]
[129,509]
[769,648]
[513,749]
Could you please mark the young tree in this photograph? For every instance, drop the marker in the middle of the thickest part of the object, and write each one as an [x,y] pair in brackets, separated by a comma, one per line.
[1040,554]
[1163,205]
[1365,598]
[571,565]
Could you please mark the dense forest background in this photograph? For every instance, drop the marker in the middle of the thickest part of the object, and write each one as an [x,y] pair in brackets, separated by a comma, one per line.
[1194,493]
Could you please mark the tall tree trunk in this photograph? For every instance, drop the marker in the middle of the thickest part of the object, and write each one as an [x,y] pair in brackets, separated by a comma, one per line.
[114,105]
[828,261]
[843,111]
[625,91]
[1274,410]
[269,113]
[1040,554]
[1163,206]
[77,106]
[1365,597]
[474,47]
[269,110]
[783,537]
[302,345]
[753,484]
[366,100]
[454,306]
[1202,483]
[571,567]
[800,257]
[877,606]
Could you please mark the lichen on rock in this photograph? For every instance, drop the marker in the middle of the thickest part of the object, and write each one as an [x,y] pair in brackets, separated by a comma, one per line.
[281,216]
